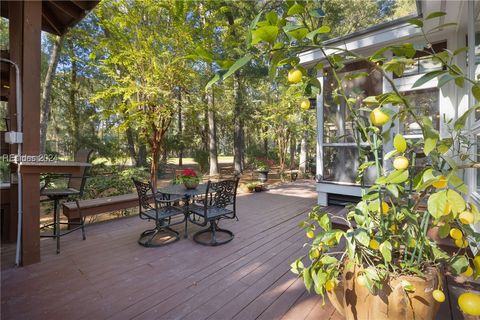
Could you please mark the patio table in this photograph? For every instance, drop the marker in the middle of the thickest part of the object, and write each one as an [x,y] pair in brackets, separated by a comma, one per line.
[186,194]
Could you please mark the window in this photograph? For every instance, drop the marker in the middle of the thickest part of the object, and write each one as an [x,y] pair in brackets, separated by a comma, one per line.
[426,103]
[340,151]
[423,61]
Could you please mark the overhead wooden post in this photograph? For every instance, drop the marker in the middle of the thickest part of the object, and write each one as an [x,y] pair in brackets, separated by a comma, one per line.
[25,19]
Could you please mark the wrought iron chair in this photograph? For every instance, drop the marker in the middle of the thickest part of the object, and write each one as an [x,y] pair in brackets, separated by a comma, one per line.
[162,212]
[74,190]
[220,204]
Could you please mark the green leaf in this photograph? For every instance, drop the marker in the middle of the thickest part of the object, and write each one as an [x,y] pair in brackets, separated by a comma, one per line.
[397,176]
[444,80]
[456,201]
[437,203]
[266,33]
[386,250]
[416,22]
[458,183]
[326,259]
[476,92]
[444,231]
[362,237]
[430,144]
[253,24]
[321,30]
[393,190]
[295,9]
[204,54]
[307,278]
[459,264]
[407,286]
[317,13]
[435,14]
[462,120]
[439,254]
[427,77]
[390,154]
[371,101]
[272,17]
[212,81]
[400,143]
[445,25]
[298,34]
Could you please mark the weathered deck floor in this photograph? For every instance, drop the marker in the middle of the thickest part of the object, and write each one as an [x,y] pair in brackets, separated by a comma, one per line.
[110,276]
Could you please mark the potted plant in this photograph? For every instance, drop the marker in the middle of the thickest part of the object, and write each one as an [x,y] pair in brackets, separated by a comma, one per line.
[189,178]
[387,266]
[249,187]
[262,168]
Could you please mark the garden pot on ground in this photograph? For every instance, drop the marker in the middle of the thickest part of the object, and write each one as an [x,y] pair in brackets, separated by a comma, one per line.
[355,302]
[263,175]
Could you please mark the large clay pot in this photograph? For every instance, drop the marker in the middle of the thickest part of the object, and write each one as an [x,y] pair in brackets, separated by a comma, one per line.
[355,302]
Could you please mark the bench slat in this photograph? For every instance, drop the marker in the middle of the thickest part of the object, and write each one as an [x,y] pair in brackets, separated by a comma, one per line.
[101,205]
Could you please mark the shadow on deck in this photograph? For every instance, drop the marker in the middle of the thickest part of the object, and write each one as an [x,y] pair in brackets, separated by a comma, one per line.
[110,276]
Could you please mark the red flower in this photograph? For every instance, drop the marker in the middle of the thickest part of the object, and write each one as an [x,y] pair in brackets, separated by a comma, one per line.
[189,173]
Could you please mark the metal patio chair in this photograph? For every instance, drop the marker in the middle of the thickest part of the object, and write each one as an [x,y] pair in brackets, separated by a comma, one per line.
[73,191]
[220,204]
[162,212]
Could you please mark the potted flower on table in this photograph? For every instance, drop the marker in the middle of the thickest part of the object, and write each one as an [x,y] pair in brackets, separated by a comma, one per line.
[189,178]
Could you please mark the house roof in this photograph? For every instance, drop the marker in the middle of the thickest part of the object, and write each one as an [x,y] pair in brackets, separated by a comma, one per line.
[58,16]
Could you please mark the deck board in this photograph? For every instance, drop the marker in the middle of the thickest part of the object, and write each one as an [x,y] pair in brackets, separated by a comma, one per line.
[110,276]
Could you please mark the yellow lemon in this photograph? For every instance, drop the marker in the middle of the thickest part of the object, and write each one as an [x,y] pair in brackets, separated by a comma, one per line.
[374,244]
[441,183]
[305,105]
[330,285]
[447,209]
[438,295]
[466,217]
[310,234]
[385,207]
[456,234]
[378,117]
[362,281]
[393,228]
[412,243]
[476,263]
[468,272]
[315,253]
[469,303]
[295,76]
[400,163]
[461,243]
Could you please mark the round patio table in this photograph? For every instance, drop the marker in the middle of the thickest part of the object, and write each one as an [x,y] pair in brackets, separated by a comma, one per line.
[186,194]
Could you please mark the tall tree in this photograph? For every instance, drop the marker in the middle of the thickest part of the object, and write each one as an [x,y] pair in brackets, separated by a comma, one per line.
[47,90]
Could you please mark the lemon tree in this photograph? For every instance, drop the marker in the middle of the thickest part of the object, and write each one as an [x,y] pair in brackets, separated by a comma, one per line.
[388,229]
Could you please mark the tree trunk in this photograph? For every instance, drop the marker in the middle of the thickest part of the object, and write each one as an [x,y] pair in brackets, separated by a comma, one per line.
[293,147]
[75,123]
[142,154]
[238,135]
[212,134]
[131,146]
[180,130]
[303,153]
[46,93]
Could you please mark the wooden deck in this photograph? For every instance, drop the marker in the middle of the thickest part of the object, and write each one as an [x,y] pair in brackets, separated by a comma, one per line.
[110,276]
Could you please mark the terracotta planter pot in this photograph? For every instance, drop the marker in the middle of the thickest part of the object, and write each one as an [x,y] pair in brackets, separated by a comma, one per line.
[355,302]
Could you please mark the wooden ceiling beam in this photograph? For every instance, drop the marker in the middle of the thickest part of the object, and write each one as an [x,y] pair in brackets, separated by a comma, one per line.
[66,7]
[50,18]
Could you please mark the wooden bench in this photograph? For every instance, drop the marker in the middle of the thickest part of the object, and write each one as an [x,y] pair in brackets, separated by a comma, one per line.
[101,205]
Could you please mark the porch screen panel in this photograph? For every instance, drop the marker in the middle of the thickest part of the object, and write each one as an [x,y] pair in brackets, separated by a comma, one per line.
[340,150]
